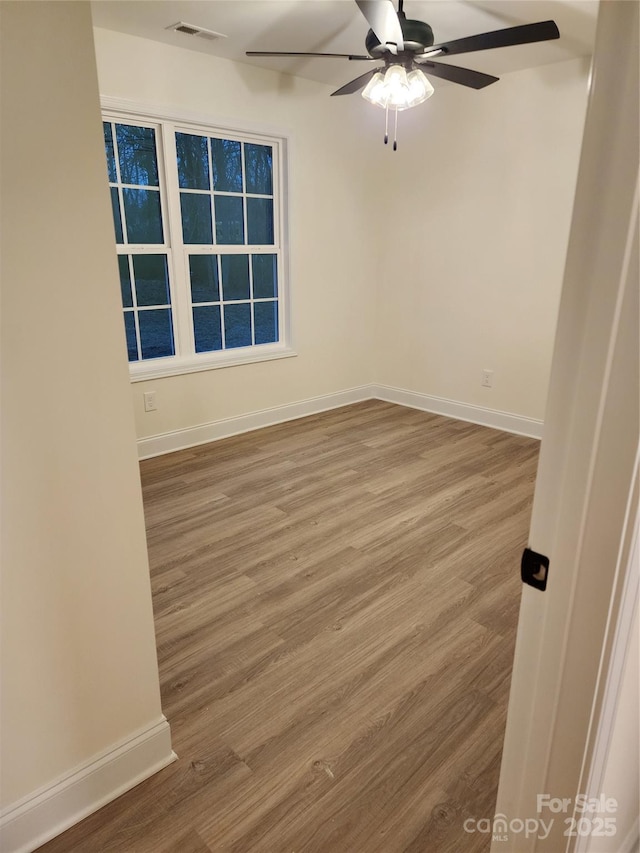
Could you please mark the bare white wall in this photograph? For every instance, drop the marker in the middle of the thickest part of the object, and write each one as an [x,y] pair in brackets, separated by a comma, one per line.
[331,263]
[483,185]
[79,666]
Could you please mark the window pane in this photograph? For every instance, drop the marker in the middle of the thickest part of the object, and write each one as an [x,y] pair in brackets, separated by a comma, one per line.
[196,218]
[108,147]
[137,155]
[193,161]
[117,218]
[152,281]
[130,330]
[260,221]
[227,205]
[237,325]
[142,214]
[156,334]
[206,325]
[227,165]
[204,278]
[125,281]
[258,163]
[265,320]
[229,222]
[265,276]
[235,277]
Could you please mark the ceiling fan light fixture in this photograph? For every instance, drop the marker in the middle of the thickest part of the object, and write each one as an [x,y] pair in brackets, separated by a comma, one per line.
[375,91]
[419,87]
[395,81]
[396,90]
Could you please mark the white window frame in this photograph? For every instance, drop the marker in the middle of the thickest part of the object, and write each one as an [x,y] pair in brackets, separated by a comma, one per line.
[167,124]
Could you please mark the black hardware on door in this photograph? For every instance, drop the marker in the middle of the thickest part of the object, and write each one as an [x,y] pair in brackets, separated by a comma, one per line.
[534,569]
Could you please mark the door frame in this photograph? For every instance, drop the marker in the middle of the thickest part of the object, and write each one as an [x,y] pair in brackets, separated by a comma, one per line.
[585,504]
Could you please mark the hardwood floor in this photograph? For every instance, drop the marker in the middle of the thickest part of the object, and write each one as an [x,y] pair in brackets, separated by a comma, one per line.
[335,602]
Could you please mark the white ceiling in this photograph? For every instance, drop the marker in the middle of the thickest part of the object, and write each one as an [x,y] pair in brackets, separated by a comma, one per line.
[337,26]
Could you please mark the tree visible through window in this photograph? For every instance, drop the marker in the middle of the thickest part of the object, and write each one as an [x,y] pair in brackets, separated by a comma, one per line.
[198,238]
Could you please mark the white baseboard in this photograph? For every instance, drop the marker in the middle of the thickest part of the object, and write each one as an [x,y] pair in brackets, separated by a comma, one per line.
[181,439]
[46,813]
[493,418]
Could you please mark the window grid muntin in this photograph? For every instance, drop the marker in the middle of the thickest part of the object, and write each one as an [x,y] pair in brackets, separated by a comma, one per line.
[251,300]
[135,309]
[120,186]
[181,305]
[213,192]
[134,304]
[244,248]
[130,249]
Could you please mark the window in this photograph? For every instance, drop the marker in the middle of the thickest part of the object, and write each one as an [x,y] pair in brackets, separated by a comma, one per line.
[198,219]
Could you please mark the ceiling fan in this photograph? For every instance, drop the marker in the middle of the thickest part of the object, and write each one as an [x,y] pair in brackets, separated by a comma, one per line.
[406,47]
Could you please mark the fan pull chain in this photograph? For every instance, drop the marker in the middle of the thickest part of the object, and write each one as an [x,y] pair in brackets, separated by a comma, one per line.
[395,129]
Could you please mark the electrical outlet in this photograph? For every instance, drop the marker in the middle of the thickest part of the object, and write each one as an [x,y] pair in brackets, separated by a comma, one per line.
[150,401]
[487,379]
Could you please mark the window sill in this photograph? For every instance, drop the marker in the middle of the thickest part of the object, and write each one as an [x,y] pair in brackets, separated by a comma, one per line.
[161,367]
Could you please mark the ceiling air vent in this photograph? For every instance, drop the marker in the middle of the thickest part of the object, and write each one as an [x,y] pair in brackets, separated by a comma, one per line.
[200,32]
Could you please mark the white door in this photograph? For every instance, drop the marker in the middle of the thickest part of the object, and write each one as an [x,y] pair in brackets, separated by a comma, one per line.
[584,492]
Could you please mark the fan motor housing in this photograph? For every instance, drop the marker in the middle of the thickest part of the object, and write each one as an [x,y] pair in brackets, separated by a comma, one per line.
[416,34]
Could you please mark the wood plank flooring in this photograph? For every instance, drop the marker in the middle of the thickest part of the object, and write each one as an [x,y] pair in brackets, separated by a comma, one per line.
[335,603]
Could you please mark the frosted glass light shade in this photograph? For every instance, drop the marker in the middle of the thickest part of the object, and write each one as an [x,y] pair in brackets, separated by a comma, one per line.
[419,87]
[396,90]
[375,91]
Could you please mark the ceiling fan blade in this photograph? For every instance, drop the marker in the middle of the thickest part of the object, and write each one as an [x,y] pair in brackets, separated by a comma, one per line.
[305,53]
[464,76]
[526,34]
[357,84]
[383,20]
